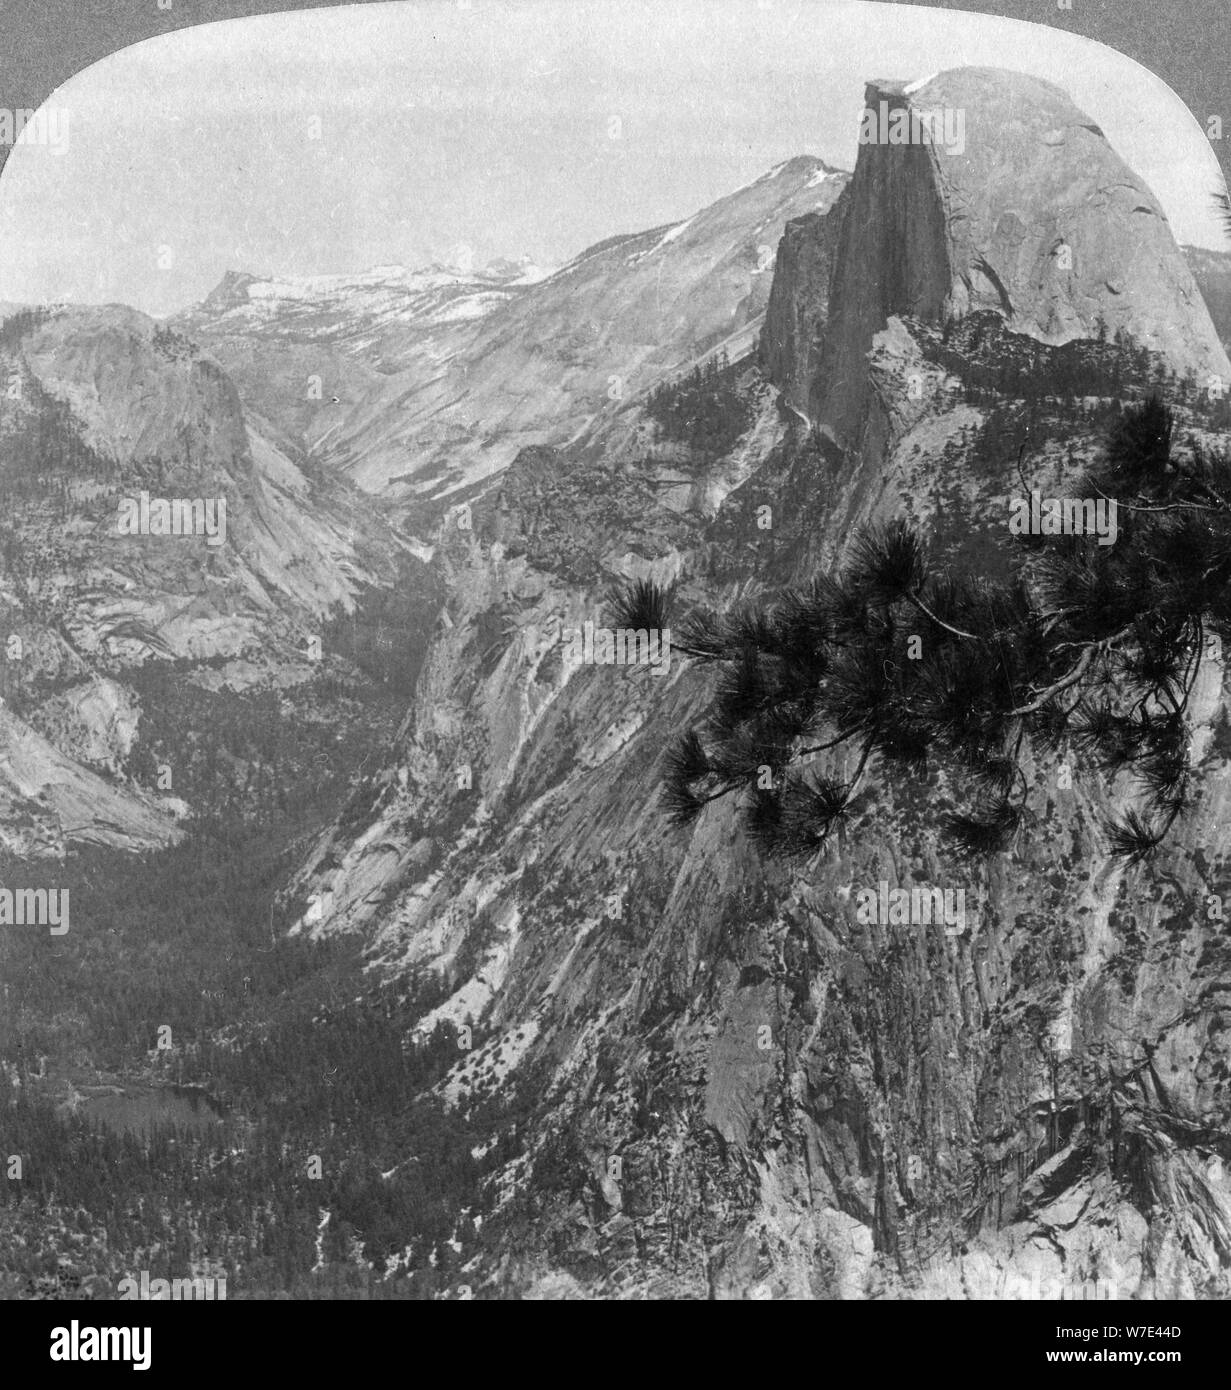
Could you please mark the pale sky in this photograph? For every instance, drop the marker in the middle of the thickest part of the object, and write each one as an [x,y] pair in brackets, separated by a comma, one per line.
[338,140]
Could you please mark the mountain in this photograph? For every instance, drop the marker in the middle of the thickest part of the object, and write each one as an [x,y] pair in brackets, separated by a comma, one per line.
[696,1074]
[104,406]
[543,364]
[798,307]
[49,801]
[389,316]
[1035,218]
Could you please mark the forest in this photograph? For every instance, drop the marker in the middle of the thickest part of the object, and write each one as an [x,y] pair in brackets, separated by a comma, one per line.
[705,410]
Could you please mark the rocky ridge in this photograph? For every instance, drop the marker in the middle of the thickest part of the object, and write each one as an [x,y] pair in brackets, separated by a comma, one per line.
[554,363]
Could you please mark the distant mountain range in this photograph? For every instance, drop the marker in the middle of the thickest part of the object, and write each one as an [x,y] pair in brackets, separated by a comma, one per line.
[368,314]
[440,382]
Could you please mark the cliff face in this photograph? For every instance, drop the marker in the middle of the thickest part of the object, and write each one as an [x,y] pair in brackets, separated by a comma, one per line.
[798,305]
[155,414]
[725,1085]
[1027,211]
[1212,272]
[800,1105]
[694,1073]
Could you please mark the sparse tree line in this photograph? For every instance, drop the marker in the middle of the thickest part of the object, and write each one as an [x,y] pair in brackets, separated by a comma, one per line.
[704,410]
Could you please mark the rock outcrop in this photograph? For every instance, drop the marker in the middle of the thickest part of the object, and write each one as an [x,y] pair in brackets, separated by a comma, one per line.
[49,803]
[106,405]
[1030,214]
[798,308]
[1212,272]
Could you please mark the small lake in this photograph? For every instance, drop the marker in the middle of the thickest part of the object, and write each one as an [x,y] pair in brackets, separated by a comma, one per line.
[141,1110]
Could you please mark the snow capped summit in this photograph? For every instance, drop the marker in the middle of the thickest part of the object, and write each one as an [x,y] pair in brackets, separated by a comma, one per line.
[811,166]
[358,311]
[343,306]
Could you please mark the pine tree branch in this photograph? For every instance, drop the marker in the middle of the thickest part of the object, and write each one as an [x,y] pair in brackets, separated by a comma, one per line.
[822,747]
[863,762]
[1170,507]
[1210,491]
[1063,683]
[918,603]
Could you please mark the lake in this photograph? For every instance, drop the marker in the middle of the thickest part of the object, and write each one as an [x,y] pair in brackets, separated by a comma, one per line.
[139,1111]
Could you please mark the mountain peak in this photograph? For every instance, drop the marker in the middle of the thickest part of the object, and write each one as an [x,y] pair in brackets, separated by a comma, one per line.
[1011,201]
[230,291]
[512,268]
[976,85]
[801,166]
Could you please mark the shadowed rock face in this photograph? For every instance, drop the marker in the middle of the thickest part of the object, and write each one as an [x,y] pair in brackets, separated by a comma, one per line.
[1212,272]
[1032,214]
[798,308]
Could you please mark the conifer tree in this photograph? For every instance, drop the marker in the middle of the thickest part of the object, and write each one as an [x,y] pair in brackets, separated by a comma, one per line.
[894,662]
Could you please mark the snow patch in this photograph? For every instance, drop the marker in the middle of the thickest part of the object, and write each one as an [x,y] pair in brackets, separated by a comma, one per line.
[420,550]
[672,232]
[678,230]
[913,87]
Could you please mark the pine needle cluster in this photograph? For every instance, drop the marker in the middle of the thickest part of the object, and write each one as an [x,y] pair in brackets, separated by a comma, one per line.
[1089,649]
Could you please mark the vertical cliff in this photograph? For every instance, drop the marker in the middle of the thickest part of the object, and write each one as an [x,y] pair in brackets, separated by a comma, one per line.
[1014,203]
[798,308]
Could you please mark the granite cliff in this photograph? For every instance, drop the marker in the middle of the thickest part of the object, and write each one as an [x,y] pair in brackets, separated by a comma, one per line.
[1032,216]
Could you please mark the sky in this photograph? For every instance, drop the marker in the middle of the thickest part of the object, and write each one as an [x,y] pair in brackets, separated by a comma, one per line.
[333,141]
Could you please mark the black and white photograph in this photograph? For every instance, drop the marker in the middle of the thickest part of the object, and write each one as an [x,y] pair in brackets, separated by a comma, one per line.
[613,679]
